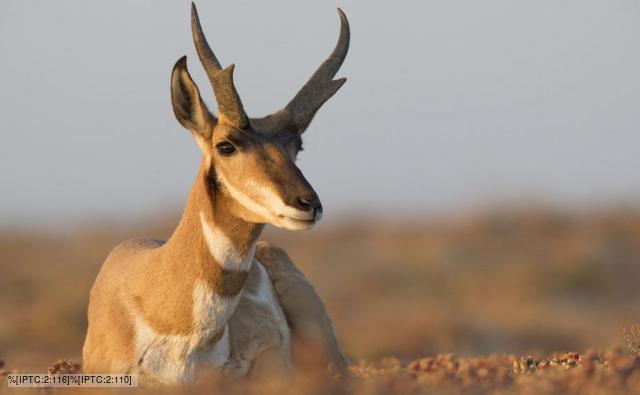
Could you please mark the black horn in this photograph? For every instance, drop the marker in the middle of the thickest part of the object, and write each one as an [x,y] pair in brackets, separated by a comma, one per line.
[230,107]
[299,113]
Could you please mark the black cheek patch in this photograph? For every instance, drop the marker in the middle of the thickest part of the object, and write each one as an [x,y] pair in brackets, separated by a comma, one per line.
[212,181]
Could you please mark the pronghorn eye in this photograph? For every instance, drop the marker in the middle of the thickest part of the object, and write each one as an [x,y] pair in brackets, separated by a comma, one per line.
[225,148]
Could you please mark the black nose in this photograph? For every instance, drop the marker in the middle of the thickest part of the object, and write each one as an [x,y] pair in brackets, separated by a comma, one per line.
[308,203]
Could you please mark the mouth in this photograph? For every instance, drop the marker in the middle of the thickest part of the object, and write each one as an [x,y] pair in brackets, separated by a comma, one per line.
[303,220]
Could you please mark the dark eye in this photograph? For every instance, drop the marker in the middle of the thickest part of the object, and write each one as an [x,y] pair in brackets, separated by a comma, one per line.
[225,148]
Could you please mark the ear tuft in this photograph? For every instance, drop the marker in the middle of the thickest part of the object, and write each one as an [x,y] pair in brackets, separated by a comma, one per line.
[188,106]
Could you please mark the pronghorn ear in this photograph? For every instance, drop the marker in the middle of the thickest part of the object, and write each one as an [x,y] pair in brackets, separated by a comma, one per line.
[188,106]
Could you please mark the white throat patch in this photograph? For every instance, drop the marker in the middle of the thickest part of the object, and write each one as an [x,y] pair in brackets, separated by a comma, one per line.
[175,358]
[222,248]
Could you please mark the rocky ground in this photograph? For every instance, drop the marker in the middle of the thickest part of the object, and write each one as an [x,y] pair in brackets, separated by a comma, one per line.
[614,371]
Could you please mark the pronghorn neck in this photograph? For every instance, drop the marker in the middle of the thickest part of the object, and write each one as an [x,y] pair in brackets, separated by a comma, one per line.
[213,238]
[197,278]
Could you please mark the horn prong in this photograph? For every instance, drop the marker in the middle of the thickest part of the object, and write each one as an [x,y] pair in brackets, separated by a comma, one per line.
[230,106]
[320,87]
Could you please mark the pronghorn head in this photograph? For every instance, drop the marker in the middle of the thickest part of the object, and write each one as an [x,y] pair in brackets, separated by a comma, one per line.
[252,160]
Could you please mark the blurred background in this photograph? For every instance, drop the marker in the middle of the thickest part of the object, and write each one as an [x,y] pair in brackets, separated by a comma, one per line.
[479,170]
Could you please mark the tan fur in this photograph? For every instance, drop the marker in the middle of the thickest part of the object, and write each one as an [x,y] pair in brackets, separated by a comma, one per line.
[155,280]
[165,310]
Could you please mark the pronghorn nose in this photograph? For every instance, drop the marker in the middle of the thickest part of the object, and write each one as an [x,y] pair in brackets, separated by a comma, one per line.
[307,203]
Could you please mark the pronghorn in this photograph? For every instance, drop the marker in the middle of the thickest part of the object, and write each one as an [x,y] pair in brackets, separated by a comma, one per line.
[212,295]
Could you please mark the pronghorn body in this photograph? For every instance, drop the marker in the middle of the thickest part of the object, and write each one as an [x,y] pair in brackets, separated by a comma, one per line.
[212,295]
[166,318]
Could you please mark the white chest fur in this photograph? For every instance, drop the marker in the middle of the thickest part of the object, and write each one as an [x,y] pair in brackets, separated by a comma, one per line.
[176,359]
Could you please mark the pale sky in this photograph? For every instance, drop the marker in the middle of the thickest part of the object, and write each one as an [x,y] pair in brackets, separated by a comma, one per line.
[448,103]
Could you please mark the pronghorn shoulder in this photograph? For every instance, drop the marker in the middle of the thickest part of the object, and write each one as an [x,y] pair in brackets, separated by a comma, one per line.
[134,246]
[294,291]
[130,252]
[273,258]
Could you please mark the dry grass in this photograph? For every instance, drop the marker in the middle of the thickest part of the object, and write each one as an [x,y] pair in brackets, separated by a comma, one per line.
[524,282]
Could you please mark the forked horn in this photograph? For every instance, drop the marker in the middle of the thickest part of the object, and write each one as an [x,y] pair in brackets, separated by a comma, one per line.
[229,103]
[320,87]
